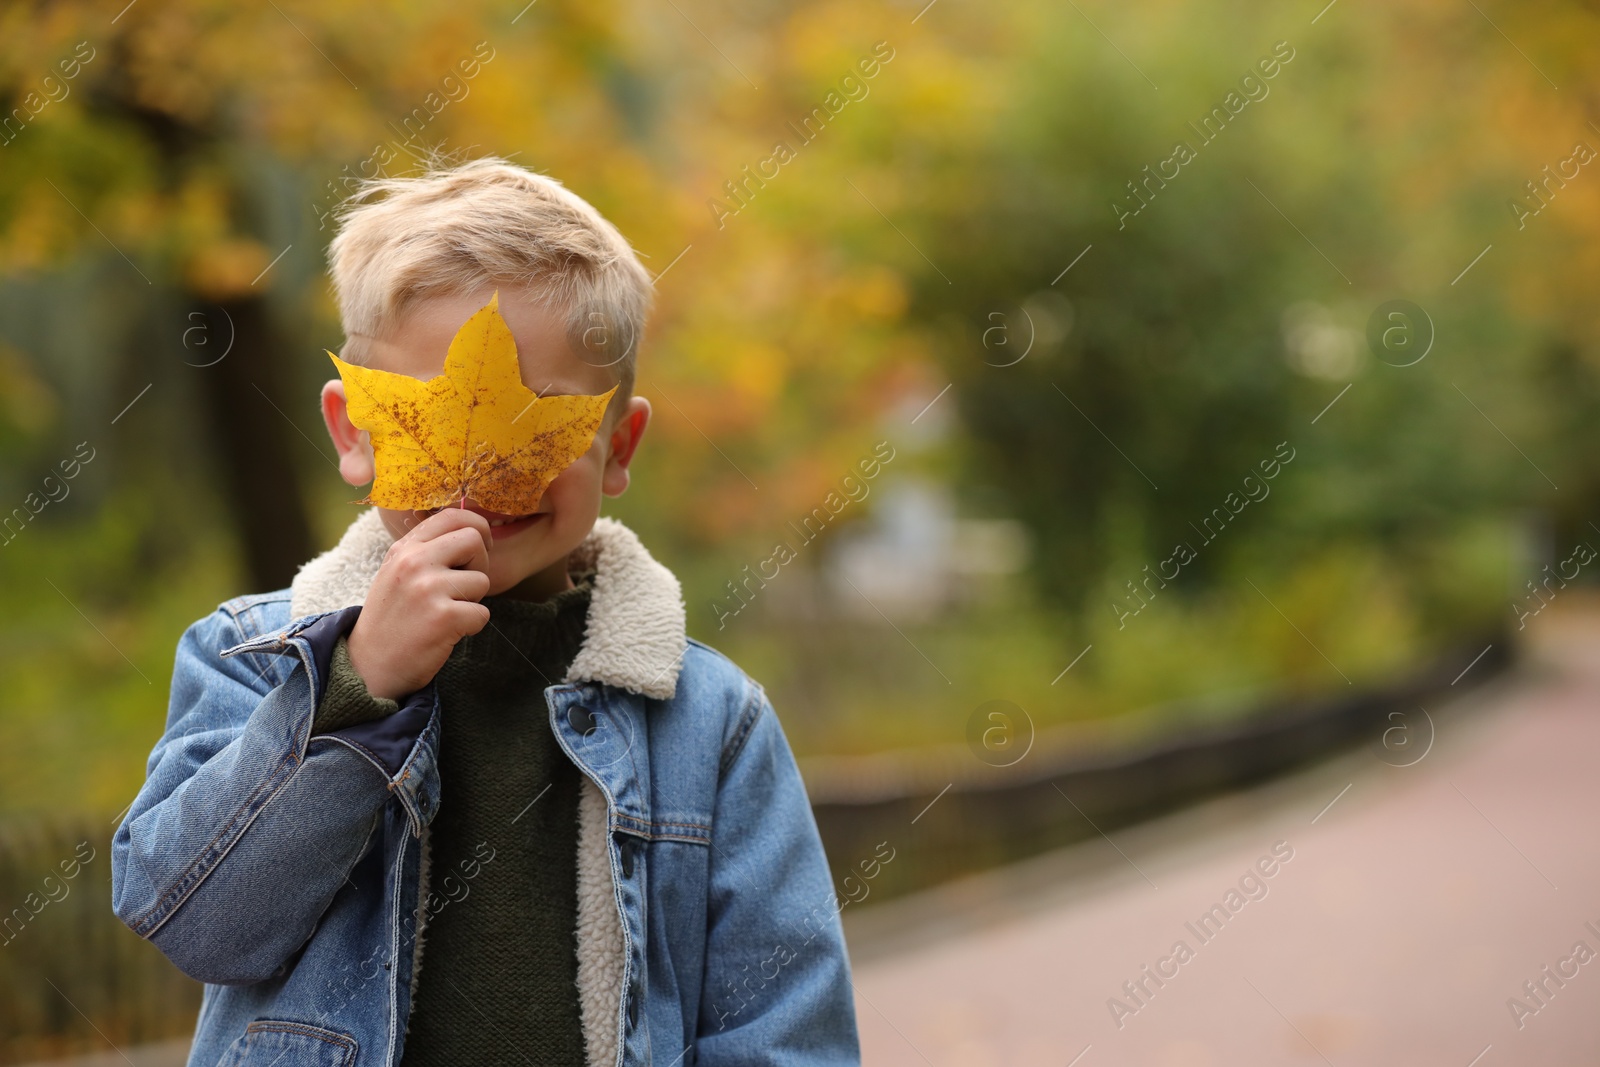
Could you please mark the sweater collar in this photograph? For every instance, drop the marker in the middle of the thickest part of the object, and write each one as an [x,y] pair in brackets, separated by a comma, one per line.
[546,635]
[635,637]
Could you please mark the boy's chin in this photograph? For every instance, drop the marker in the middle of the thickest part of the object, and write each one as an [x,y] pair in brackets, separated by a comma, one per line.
[529,578]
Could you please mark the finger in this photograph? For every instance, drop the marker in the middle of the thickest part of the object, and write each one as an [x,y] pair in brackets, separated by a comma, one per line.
[465,584]
[461,548]
[448,520]
[467,617]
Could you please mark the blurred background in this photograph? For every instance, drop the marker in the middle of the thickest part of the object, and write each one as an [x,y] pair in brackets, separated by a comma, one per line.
[1150,400]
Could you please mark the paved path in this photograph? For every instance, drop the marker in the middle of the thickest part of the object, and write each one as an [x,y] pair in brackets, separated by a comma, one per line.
[1412,909]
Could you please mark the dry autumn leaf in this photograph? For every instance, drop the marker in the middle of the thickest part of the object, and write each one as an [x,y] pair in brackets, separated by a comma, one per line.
[474,431]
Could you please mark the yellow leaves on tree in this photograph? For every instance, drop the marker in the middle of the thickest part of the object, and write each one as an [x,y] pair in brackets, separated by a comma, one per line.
[474,431]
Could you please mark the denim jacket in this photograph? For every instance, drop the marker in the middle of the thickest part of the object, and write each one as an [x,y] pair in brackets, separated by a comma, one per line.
[290,873]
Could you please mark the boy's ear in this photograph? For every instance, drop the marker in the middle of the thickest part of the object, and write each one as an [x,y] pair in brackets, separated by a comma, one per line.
[624,440]
[354,447]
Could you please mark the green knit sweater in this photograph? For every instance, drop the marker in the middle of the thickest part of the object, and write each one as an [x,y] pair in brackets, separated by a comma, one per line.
[498,978]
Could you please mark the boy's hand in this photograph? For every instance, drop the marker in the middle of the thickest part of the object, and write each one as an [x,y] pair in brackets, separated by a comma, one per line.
[423,600]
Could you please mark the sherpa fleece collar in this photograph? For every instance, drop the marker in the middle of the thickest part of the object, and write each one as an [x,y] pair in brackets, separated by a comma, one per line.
[636,632]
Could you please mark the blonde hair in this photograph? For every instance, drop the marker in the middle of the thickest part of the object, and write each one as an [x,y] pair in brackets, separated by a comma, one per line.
[457,227]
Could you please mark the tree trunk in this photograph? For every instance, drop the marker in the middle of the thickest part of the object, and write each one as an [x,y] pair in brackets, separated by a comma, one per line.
[254,444]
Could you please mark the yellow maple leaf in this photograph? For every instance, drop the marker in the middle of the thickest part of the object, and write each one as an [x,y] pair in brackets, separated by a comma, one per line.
[474,431]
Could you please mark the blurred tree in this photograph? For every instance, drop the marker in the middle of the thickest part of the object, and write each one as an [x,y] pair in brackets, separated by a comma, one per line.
[1216,313]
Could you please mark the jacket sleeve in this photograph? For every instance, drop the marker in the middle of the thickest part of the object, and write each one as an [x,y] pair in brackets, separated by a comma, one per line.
[777,985]
[248,824]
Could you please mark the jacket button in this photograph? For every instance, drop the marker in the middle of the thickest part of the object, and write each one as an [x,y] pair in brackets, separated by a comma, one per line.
[633,1007]
[627,857]
[581,719]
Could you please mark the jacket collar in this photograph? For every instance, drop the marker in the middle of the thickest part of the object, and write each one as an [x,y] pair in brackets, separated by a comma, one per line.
[636,633]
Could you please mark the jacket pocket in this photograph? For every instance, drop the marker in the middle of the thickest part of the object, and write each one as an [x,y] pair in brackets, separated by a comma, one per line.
[288,1044]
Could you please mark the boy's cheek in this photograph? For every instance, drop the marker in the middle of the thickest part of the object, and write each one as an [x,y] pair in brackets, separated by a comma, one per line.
[579,480]
[398,523]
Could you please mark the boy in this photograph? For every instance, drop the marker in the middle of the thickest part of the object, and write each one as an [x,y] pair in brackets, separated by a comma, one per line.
[465,793]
